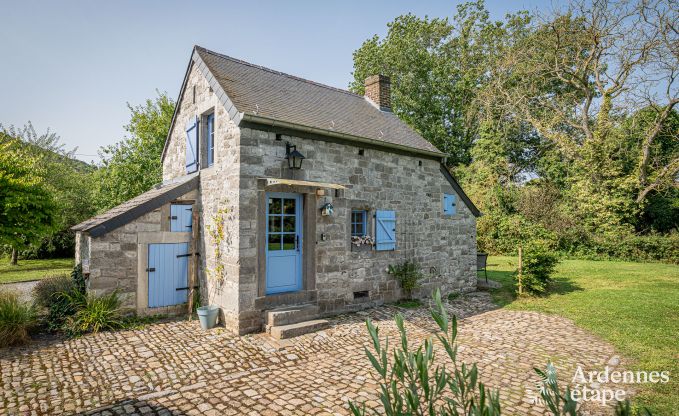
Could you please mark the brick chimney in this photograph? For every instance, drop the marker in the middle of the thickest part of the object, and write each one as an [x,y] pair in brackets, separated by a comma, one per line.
[378,90]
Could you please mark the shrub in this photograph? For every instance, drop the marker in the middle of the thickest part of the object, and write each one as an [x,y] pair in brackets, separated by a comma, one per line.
[653,247]
[502,234]
[93,313]
[408,274]
[16,319]
[56,293]
[537,267]
[411,385]
[44,290]
[79,278]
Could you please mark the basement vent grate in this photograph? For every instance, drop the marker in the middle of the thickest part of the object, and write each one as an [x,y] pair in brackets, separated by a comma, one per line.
[363,294]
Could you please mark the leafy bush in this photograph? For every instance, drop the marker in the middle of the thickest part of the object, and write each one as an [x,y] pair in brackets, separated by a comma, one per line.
[16,319]
[653,247]
[502,234]
[408,274]
[411,385]
[57,294]
[44,290]
[52,293]
[538,266]
[93,313]
[79,278]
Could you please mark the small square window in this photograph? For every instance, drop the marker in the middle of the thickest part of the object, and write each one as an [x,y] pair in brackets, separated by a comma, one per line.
[359,223]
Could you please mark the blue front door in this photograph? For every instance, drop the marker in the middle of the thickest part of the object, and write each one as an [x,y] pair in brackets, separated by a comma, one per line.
[168,269]
[283,242]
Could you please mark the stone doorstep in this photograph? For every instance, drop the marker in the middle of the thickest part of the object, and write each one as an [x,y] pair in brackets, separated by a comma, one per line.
[297,329]
[291,315]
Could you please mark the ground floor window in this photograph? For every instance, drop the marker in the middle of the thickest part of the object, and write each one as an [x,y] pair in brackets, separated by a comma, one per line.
[359,223]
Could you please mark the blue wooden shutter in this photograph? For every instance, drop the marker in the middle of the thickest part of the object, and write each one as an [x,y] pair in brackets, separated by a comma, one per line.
[192,145]
[210,139]
[385,230]
[449,204]
[180,218]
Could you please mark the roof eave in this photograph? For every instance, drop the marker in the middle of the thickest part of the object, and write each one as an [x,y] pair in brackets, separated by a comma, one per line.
[458,188]
[245,117]
[135,212]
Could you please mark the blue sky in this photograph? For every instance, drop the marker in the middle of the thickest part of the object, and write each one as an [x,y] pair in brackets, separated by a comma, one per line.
[73,65]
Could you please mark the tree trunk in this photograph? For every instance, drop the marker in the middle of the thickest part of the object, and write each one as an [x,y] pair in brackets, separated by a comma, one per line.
[520,271]
[14,257]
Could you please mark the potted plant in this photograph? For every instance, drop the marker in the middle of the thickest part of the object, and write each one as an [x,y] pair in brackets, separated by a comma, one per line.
[362,243]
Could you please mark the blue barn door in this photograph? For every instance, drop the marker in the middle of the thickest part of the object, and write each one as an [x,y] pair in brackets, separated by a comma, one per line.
[168,269]
[283,242]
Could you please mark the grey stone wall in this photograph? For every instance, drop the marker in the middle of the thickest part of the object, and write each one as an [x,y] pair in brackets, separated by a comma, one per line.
[113,259]
[445,247]
[219,186]
[411,186]
[82,250]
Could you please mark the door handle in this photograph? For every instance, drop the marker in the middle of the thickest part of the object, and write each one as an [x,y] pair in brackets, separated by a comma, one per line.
[297,242]
[151,269]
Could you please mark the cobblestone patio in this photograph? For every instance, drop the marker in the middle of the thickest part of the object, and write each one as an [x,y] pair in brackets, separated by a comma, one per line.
[175,368]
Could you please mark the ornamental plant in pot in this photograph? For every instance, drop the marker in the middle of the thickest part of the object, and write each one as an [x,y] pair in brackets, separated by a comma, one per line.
[209,313]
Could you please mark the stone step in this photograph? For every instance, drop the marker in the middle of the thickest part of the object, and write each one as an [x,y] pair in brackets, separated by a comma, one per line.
[297,329]
[291,315]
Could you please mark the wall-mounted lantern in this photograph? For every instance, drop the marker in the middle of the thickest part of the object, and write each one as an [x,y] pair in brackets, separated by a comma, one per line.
[294,157]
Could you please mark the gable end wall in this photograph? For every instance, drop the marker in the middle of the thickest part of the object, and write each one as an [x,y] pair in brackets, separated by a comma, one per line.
[218,190]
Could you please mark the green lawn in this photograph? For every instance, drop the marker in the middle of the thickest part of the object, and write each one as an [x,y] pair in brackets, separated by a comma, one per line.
[33,269]
[634,306]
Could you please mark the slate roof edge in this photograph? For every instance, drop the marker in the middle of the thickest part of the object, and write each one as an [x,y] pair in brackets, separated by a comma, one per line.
[277,72]
[463,195]
[237,116]
[214,84]
[250,118]
[137,211]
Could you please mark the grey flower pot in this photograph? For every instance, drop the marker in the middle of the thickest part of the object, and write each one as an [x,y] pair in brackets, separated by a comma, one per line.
[208,316]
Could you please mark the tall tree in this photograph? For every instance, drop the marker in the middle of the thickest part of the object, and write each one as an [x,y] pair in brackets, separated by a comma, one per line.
[577,77]
[437,67]
[132,166]
[27,210]
[67,179]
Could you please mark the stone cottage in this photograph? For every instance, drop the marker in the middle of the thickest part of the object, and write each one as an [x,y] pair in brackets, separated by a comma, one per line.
[303,196]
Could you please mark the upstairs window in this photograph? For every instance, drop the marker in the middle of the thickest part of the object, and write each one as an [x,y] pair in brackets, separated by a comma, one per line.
[359,223]
[449,205]
[210,133]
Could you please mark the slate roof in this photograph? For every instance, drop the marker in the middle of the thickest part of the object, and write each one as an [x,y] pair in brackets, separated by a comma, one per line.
[138,206]
[262,92]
